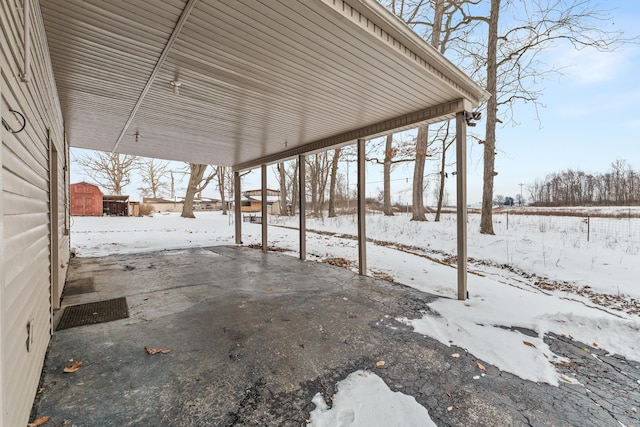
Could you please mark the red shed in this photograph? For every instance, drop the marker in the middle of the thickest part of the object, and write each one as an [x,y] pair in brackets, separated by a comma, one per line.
[86,199]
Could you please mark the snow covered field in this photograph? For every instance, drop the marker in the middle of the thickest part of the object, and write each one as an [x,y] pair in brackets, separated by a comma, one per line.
[539,279]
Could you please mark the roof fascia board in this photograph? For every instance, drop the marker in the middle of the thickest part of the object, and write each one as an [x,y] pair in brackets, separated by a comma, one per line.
[392,31]
[408,121]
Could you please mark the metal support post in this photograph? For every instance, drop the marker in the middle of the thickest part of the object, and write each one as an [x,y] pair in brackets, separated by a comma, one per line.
[362,210]
[237,211]
[263,221]
[302,200]
[461,189]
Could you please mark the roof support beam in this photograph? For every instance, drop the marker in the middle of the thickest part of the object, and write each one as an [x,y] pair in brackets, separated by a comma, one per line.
[302,199]
[163,56]
[461,195]
[428,115]
[362,210]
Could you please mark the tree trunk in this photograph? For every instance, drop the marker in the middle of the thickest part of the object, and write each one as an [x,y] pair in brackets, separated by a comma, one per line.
[486,220]
[221,187]
[418,174]
[388,155]
[332,184]
[197,173]
[294,195]
[283,189]
[423,131]
[313,182]
[442,178]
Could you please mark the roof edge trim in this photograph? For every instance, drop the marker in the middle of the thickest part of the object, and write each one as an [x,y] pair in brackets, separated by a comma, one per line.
[424,53]
[428,115]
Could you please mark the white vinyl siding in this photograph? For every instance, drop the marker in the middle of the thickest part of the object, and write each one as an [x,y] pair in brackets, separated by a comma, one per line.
[26,253]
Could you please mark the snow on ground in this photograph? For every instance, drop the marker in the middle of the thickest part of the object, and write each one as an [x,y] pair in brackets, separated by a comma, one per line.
[363,399]
[418,255]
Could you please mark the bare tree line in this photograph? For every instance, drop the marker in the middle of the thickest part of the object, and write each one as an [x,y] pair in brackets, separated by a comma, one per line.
[619,186]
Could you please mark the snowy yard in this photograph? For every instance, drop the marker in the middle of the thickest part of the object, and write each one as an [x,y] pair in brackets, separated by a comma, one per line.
[538,279]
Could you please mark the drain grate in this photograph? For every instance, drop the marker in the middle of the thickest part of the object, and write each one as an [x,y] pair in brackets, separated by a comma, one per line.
[93,312]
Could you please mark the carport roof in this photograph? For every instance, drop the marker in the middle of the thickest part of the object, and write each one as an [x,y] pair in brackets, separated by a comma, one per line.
[261,80]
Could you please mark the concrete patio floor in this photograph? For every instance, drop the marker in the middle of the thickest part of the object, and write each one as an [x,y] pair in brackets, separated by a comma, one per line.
[253,337]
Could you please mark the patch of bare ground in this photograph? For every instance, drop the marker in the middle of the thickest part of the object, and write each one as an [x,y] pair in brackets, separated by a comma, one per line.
[269,248]
[339,262]
[622,303]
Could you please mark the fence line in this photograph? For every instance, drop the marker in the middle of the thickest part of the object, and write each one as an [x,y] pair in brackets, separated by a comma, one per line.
[612,231]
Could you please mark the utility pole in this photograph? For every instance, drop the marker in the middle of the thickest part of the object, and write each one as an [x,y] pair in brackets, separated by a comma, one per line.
[521,184]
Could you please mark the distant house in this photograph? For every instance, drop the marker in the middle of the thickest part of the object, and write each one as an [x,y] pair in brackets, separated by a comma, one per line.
[85,199]
[163,205]
[207,203]
[251,200]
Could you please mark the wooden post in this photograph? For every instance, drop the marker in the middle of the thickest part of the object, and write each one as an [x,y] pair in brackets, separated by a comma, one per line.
[302,199]
[461,190]
[362,211]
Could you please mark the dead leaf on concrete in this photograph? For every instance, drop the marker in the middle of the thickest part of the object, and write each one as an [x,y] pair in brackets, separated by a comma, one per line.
[74,367]
[530,344]
[595,344]
[481,366]
[363,375]
[156,350]
[565,379]
[380,363]
[39,421]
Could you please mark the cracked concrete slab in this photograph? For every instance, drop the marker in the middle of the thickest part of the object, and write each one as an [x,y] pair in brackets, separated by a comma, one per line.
[253,337]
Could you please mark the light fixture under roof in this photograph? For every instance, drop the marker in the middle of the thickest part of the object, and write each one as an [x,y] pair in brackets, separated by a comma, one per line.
[176,83]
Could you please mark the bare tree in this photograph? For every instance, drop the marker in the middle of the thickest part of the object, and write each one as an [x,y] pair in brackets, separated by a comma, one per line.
[111,171]
[153,173]
[418,174]
[509,63]
[318,167]
[619,186]
[394,151]
[220,174]
[291,182]
[283,189]
[197,183]
[446,140]
[439,22]
[333,182]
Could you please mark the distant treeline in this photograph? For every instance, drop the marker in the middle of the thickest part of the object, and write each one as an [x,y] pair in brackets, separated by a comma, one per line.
[620,186]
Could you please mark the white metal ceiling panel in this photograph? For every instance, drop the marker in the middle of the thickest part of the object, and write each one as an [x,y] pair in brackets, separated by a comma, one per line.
[260,79]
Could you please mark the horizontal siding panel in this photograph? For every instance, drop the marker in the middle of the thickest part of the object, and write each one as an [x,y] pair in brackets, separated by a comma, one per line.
[17,205]
[24,175]
[18,185]
[18,160]
[23,368]
[17,275]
